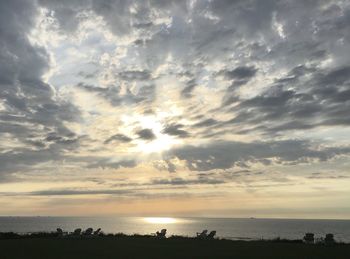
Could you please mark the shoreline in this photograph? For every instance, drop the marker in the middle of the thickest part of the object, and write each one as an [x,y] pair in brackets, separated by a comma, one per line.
[102,235]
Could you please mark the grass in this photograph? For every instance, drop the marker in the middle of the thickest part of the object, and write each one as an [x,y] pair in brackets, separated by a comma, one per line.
[121,246]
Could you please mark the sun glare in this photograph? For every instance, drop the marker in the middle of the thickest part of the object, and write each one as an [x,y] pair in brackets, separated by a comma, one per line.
[162,141]
[158,220]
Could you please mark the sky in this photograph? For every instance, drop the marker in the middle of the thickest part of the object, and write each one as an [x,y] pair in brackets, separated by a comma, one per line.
[215,108]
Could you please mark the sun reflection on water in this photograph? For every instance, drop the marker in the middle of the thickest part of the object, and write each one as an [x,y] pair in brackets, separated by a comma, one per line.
[160,220]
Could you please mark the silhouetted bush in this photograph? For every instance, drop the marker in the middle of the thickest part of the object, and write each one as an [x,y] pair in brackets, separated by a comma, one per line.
[9,235]
[120,235]
[43,235]
[283,240]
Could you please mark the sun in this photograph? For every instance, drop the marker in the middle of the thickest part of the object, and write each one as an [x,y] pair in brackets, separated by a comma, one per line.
[161,143]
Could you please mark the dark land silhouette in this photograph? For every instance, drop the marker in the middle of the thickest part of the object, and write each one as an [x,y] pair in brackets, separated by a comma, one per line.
[51,245]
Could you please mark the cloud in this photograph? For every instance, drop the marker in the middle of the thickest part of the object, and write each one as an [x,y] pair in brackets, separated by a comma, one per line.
[145,94]
[327,175]
[75,192]
[33,115]
[175,130]
[181,181]
[235,84]
[135,75]
[225,154]
[118,138]
[108,163]
[187,91]
[322,101]
[123,193]
[92,88]
[206,123]
[65,192]
[66,12]
[146,134]
[240,73]
[53,137]
[24,158]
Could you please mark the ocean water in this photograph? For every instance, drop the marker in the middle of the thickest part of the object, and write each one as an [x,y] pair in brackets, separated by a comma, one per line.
[245,229]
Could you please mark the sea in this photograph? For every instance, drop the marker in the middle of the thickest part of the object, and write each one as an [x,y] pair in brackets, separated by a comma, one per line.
[229,228]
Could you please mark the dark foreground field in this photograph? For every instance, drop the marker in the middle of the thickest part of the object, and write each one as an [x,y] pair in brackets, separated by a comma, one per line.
[146,247]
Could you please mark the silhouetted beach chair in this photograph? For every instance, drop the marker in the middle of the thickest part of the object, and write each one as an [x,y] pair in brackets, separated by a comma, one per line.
[88,232]
[97,232]
[309,238]
[161,234]
[329,239]
[59,232]
[211,235]
[76,232]
[203,234]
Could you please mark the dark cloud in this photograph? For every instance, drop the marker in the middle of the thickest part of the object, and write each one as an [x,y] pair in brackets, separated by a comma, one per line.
[118,138]
[181,181]
[65,192]
[175,130]
[327,175]
[224,155]
[206,123]
[112,93]
[135,75]
[240,73]
[120,193]
[336,77]
[24,158]
[187,91]
[239,76]
[146,134]
[321,98]
[71,192]
[92,88]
